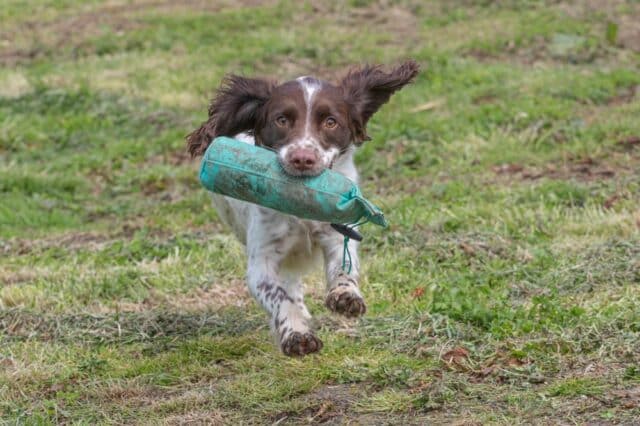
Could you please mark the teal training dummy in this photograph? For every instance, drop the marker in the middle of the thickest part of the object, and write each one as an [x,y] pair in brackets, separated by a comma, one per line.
[250,173]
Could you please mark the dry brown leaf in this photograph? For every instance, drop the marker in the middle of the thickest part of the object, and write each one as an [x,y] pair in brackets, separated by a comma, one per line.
[456,355]
[468,249]
[418,292]
[507,168]
[630,141]
[611,201]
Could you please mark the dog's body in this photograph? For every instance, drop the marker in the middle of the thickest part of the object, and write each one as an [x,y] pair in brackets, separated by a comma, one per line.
[311,125]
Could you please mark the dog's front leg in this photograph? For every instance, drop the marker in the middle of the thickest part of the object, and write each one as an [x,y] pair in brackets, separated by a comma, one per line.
[267,247]
[343,294]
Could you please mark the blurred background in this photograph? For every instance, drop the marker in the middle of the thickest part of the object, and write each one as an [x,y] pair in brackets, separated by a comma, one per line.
[506,288]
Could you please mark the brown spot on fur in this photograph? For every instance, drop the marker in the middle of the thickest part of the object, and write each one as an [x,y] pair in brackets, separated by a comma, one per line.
[280,294]
[265,286]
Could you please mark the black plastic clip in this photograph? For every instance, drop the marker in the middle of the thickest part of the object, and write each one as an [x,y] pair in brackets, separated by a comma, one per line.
[347,231]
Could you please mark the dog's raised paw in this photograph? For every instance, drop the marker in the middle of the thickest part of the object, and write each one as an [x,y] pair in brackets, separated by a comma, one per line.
[345,301]
[299,344]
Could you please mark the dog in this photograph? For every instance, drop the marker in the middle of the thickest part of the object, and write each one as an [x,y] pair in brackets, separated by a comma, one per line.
[312,125]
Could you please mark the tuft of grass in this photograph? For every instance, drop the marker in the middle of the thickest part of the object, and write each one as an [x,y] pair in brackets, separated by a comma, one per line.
[576,387]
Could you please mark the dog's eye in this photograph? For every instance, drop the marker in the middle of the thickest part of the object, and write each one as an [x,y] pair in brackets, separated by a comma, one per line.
[281,120]
[330,123]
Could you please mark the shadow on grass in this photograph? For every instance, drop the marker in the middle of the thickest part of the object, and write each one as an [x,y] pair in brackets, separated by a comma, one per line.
[129,327]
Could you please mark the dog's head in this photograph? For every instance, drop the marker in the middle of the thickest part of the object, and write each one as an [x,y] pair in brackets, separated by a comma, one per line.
[308,122]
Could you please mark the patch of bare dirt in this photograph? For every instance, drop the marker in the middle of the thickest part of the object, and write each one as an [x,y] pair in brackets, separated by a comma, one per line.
[614,105]
[175,158]
[211,298]
[584,409]
[630,142]
[398,21]
[19,324]
[571,48]
[401,23]
[234,293]
[329,403]
[627,398]
[629,35]
[501,366]
[581,8]
[532,53]
[291,67]
[130,394]
[74,240]
[212,418]
[14,85]
[8,278]
[539,50]
[619,12]
[624,96]
[72,31]
[583,169]
[97,241]
[76,29]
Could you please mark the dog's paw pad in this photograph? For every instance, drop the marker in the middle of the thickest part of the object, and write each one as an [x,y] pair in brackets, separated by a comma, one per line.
[299,344]
[345,301]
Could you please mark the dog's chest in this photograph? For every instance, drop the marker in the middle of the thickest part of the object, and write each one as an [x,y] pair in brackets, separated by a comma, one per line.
[291,236]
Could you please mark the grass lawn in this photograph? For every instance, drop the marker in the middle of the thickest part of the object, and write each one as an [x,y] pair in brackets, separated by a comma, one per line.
[506,291]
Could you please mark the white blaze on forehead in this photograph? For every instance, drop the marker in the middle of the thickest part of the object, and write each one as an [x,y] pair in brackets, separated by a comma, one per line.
[310,87]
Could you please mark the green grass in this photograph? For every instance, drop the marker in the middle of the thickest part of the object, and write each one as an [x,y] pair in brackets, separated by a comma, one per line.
[505,291]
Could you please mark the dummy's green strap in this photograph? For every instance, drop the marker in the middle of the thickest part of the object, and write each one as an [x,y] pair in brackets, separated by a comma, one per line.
[346,253]
[347,230]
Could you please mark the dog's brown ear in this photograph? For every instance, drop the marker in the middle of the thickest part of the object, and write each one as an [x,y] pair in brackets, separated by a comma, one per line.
[367,89]
[233,110]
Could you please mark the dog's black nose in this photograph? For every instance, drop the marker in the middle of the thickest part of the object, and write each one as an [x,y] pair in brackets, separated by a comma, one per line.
[303,159]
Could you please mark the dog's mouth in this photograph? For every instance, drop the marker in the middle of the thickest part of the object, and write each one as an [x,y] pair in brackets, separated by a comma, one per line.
[291,170]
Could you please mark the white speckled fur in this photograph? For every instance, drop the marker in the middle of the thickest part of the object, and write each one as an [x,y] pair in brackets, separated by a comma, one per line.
[282,248]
